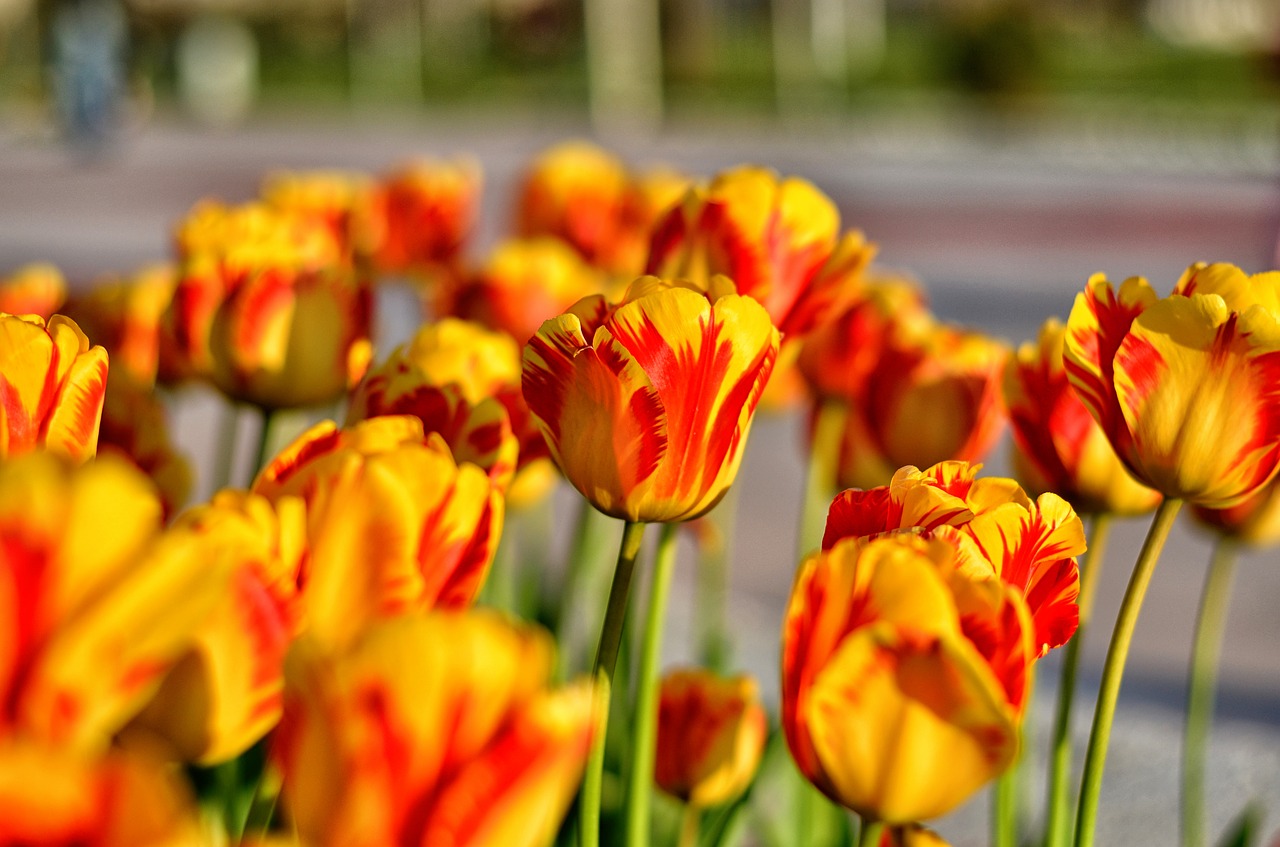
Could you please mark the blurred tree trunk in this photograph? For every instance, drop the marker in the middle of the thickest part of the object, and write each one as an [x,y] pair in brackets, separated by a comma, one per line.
[624,66]
[691,28]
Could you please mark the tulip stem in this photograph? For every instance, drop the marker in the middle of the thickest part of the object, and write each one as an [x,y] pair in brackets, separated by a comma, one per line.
[606,660]
[1201,682]
[264,441]
[820,481]
[689,826]
[644,740]
[586,560]
[1004,814]
[713,584]
[870,833]
[1058,825]
[1113,670]
[225,454]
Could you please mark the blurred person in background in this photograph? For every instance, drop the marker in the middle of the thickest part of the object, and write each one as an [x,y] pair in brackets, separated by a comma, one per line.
[88,49]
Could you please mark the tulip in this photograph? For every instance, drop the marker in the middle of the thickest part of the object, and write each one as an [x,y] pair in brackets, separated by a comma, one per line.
[711,732]
[888,706]
[912,836]
[35,289]
[225,693]
[340,202]
[932,395]
[124,314]
[777,239]
[57,798]
[287,340]
[427,210]
[135,426]
[522,284]
[52,384]
[98,604]
[1185,388]
[648,414]
[1030,546]
[470,747]
[1058,445]
[394,523]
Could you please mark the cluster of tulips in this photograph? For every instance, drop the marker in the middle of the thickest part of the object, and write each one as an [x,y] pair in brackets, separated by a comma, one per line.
[333,653]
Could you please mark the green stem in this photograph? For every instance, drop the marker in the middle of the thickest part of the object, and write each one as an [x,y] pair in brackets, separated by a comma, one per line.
[820,481]
[1113,671]
[261,455]
[225,452]
[689,826]
[586,555]
[1201,682]
[870,833]
[1004,813]
[712,588]
[644,739]
[606,660]
[1058,825]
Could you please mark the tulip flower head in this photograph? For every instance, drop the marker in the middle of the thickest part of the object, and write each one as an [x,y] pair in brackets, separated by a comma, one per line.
[35,289]
[1059,447]
[888,705]
[1186,388]
[426,210]
[711,732]
[471,747]
[647,413]
[123,314]
[52,383]
[1254,522]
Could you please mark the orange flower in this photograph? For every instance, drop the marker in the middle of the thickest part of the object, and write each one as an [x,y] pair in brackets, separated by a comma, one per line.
[777,239]
[522,284]
[341,202]
[888,705]
[647,414]
[123,315]
[284,339]
[932,395]
[51,387]
[585,196]
[1058,445]
[35,289]
[471,747]
[462,381]
[55,798]
[97,603]
[393,522]
[711,732]
[1029,545]
[1187,389]
[226,691]
[427,210]
[135,427]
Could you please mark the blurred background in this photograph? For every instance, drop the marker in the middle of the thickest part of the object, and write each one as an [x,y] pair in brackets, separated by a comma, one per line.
[1001,150]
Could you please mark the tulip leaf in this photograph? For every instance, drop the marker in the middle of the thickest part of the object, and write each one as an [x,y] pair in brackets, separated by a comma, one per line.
[1245,830]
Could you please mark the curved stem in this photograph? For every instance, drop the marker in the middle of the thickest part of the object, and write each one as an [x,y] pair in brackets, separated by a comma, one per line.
[870,833]
[264,442]
[1201,682]
[606,660]
[586,559]
[689,826]
[225,452]
[1058,825]
[1004,813]
[645,737]
[1113,670]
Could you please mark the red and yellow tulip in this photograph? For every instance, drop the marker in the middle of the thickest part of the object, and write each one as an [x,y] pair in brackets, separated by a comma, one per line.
[711,732]
[1255,522]
[52,384]
[285,339]
[1186,389]
[124,314]
[648,412]
[38,288]
[1058,446]
[394,523]
[426,211]
[471,747]
[341,202]
[777,239]
[888,706]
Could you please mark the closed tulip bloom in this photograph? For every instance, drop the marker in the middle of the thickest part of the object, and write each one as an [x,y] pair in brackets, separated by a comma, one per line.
[1185,388]
[521,284]
[711,732]
[288,340]
[426,210]
[394,523]
[647,414]
[123,314]
[1058,446]
[887,705]
[97,603]
[470,747]
[52,383]
[35,289]
[225,693]
[342,202]
[777,239]
[932,395]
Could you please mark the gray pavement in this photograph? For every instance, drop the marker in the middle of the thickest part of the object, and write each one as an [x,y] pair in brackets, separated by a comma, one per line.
[1003,233]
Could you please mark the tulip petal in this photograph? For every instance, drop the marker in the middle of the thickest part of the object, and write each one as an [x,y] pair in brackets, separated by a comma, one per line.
[73,423]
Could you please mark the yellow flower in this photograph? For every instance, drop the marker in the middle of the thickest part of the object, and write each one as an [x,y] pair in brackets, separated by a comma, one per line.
[35,289]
